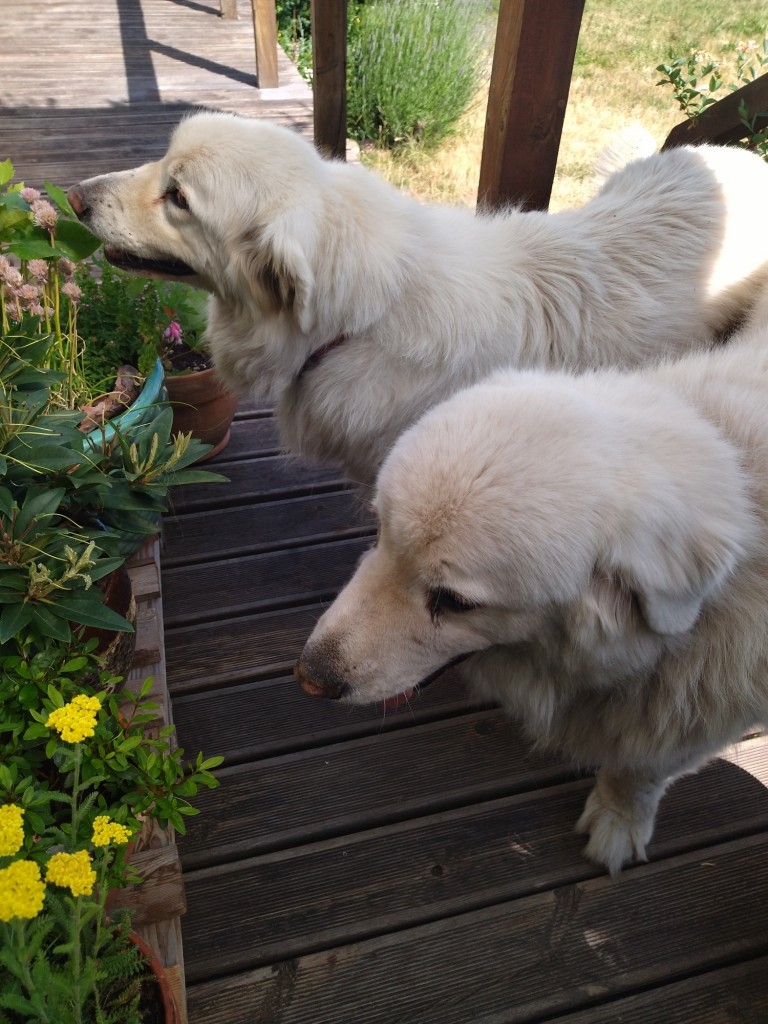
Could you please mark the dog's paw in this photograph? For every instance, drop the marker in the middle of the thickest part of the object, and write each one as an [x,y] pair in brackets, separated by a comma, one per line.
[615,837]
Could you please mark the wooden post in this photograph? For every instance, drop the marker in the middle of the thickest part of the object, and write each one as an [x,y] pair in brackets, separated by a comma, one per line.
[329,58]
[530,78]
[228,10]
[721,123]
[265,34]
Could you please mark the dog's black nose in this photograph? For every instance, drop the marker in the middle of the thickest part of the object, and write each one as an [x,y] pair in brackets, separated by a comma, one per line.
[317,684]
[77,201]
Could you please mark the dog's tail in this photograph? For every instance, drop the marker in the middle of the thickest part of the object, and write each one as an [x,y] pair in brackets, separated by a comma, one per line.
[631,143]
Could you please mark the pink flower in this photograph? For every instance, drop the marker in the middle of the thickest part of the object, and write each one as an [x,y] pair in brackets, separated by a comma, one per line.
[29,195]
[12,276]
[173,332]
[29,292]
[72,291]
[38,269]
[66,267]
[44,214]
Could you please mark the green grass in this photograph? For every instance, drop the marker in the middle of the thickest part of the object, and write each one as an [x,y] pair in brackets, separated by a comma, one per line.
[620,33]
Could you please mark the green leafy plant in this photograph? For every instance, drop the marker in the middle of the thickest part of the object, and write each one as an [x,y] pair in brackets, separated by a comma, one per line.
[38,293]
[124,319]
[698,78]
[413,69]
[85,763]
[81,772]
[73,505]
[294,33]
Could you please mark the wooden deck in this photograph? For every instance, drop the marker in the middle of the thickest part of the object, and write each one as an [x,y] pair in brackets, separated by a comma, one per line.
[88,86]
[355,869]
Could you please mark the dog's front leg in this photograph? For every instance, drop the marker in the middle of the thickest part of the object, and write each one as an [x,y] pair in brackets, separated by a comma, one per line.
[619,815]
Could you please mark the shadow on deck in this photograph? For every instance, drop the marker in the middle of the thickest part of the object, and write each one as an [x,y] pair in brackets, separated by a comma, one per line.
[353,869]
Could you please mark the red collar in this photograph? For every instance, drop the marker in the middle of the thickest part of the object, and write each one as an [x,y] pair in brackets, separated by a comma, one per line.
[319,354]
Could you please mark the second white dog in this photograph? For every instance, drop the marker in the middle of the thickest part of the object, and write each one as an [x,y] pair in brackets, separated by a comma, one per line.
[359,308]
[599,544]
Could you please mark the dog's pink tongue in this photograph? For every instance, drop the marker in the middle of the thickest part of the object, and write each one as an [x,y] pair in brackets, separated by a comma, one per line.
[402,698]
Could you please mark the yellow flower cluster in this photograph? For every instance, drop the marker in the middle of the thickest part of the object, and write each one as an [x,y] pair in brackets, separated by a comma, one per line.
[11,830]
[76,721]
[106,831]
[72,870]
[21,890]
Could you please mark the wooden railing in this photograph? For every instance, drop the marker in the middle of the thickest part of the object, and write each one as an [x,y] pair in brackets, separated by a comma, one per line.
[532,67]
[265,35]
[721,123]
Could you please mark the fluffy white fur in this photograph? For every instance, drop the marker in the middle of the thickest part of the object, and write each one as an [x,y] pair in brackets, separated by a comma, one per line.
[602,542]
[297,250]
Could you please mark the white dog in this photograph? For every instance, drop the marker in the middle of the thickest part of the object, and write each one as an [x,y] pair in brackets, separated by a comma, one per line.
[359,308]
[599,545]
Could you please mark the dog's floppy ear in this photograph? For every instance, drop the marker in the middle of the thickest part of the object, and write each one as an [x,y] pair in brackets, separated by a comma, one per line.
[279,274]
[669,567]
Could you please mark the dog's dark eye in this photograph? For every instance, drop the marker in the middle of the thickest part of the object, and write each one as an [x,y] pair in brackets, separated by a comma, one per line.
[440,601]
[177,197]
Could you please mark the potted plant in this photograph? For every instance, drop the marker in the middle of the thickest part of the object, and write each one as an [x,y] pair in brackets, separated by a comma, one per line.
[80,772]
[201,404]
[129,319]
[71,508]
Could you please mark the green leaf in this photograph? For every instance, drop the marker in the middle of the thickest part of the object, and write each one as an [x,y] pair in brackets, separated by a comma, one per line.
[211,762]
[6,502]
[81,607]
[6,172]
[74,665]
[104,567]
[46,457]
[75,239]
[36,731]
[45,503]
[35,821]
[55,697]
[197,476]
[59,197]
[13,619]
[51,625]
[33,249]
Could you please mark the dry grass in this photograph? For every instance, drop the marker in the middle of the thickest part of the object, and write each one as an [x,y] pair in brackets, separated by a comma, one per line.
[613,86]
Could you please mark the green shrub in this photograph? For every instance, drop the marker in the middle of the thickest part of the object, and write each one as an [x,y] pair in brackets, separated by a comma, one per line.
[414,66]
[294,33]
[697,78]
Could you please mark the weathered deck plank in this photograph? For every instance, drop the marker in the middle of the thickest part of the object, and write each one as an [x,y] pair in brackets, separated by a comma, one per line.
[341,789]
[247,583]
[522,960]
[295,902]
[268,717]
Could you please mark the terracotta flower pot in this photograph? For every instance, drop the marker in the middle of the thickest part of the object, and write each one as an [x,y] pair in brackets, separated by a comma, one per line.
[167,1011]
[201,405]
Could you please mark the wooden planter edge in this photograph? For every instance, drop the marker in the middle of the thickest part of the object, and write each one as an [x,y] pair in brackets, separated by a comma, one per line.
[158,902]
